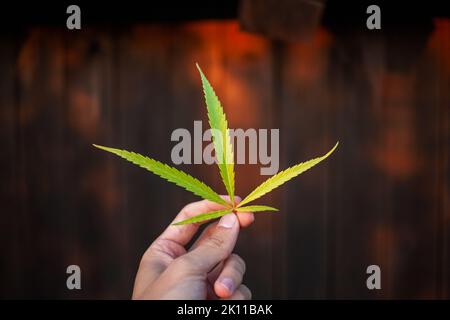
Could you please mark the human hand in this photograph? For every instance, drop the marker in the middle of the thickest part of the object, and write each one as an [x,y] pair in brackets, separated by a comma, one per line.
[208,270]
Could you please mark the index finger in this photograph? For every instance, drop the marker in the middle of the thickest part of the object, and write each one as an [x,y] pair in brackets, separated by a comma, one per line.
[182,234]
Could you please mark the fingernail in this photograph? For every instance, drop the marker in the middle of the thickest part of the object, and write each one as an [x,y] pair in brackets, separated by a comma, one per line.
[227,221]
[227,283]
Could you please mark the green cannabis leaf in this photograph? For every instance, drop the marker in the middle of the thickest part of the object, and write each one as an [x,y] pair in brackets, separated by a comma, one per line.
[254,209]
[221,137]
[219,213]
[282,177]
[176,176]
[205,216]
[225,162]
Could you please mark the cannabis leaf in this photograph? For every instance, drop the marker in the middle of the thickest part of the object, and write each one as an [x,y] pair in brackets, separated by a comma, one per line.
[220,134]
[225,162]
[282,177]
[219,213]
[176,176]
[255,208]
[205,216]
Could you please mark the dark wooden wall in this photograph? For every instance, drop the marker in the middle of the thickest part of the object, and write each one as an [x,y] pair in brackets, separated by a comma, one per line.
[382,198]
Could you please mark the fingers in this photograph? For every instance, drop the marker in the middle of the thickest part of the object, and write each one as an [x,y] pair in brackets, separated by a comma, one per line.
[245,218]
[215,247]
[242,293]
[182,234]
[155,260]
[170,244]
[230,278]
[217,242]
[214,273]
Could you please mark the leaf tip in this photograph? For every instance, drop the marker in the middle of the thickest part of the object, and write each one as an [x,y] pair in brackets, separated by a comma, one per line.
[101,147]
[334,148]
[97,146]
[199,69]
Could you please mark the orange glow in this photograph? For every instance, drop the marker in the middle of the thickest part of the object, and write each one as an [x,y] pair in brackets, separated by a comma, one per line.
[84,114]
[396,152]
[308,60]
[27,62]
[237,64]
[439,43]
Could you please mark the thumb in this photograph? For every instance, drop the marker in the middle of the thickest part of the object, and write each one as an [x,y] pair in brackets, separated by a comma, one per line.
[217,246]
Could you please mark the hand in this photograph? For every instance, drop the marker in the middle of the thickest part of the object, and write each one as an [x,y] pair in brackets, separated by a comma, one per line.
[208,270]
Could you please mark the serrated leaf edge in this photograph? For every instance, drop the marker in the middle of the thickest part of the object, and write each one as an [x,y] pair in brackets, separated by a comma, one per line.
[224,153]
[204,216]
[255,208]
[277,180]
[171,174]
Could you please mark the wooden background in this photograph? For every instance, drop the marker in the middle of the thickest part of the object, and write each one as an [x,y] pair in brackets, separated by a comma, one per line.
[382,198]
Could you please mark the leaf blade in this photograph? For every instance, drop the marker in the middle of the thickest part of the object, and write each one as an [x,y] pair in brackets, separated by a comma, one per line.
[204,216]
[220,132]
[255,208]
[283,176]
[168,173]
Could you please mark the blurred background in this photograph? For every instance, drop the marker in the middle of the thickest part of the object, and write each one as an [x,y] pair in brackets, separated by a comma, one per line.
[311,68]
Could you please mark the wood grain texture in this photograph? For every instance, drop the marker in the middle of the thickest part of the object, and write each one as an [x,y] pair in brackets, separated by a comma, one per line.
[381,198]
